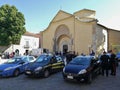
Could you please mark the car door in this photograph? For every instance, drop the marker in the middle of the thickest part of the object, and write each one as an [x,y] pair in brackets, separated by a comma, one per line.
[95,66]
[21,65]
[24,62]
[60,62]
[53,64]
[57,64]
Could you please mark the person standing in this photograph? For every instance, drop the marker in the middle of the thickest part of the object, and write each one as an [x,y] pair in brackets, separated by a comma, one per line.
[105,63]
[113,64]
[92,53]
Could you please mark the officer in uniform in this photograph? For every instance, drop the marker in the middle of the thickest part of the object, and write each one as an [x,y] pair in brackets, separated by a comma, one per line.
[105,63]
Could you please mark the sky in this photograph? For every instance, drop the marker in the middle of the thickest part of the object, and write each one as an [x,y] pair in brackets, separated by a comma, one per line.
[39,13]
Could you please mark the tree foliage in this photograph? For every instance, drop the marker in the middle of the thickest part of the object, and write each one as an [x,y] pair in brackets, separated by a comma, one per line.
[11,25]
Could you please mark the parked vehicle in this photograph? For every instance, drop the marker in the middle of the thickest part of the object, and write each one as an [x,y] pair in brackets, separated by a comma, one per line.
[44,66]
[118,56]
[14,66]
[28,58]
[82,68]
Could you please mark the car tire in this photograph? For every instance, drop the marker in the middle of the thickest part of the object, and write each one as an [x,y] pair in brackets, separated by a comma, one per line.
[16,73]
[46,73]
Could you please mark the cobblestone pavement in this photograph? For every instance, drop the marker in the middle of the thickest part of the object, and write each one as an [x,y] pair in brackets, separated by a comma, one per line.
[56,82]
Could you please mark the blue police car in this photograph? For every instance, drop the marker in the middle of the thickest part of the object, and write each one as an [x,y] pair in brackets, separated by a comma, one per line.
[13,67]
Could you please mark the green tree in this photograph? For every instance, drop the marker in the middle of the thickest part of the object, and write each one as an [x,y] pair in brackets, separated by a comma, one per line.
[11,25]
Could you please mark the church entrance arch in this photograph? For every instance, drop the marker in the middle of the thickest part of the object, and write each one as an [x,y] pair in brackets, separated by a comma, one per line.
[64,44]
[65,48]
[62,39]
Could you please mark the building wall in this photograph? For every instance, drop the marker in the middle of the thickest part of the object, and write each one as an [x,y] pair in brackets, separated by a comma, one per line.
[83,37]
[101,39]
[80,34]
[80,30]
[83,33]
[33,43]
[114,39]
[49,33]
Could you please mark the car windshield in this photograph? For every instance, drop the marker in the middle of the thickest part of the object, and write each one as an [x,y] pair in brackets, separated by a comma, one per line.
[14,60]
[80,61]
[42,58]
[25,59]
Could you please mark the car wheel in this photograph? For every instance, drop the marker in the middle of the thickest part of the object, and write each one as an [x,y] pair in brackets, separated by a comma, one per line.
[46,73]
[89,79]
[16,73]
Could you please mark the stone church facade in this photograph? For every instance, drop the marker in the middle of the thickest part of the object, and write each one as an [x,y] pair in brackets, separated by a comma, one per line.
[79,32]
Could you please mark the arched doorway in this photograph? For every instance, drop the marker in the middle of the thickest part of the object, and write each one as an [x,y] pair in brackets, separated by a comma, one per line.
[65,49]
[62,39]
[64,44]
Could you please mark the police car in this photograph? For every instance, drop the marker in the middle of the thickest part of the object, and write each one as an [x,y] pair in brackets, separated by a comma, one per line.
[13,67]
[44,66]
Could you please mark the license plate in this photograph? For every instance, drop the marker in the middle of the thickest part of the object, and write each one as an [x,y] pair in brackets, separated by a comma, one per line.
[28,72]
[70,77]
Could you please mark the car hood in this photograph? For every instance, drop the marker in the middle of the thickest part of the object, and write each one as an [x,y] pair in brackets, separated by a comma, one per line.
[34,65]
[71,68]
[4,66]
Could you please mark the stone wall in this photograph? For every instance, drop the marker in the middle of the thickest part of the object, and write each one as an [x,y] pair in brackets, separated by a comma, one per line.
[114,39]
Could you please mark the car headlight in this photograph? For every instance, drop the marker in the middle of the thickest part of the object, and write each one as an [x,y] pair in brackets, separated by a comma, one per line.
[8,68]
[38,68]
[82,71]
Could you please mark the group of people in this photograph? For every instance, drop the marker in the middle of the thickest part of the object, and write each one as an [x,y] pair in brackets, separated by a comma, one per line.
[108,63]
[8,55]
[67,57]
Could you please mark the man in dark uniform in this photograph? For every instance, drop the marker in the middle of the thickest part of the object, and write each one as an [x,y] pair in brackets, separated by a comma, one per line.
[105,63]
[113,63]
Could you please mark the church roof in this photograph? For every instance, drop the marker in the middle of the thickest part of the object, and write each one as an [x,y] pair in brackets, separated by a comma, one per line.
[85,13]
[31,34]
[107,27]
[61,15]
[87,10]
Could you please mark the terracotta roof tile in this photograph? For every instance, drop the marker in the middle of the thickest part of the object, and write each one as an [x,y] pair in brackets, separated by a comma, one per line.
[31,34]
